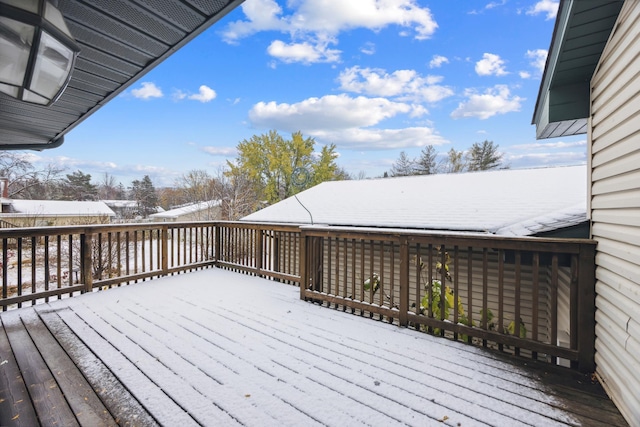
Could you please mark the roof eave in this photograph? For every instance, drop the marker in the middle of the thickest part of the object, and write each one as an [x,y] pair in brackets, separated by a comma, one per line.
[579,36]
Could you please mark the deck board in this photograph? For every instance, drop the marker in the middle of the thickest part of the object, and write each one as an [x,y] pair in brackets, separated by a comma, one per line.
[219,348]
[50,404]
[123,407]
[82,399]
[15,405]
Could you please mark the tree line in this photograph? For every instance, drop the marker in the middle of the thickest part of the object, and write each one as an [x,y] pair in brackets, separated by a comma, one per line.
[267,168]
[481,156]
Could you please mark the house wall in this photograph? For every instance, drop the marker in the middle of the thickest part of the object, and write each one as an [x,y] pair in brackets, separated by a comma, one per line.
[615,211]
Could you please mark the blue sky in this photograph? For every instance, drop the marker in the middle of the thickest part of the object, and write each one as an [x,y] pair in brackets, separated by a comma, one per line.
[372,77]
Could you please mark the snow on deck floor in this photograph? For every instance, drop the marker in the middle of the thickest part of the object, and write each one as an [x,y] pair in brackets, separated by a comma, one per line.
[215,347]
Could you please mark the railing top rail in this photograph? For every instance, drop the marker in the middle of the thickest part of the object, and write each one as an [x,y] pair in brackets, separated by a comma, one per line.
[106,228]
[453,238]
[276,226]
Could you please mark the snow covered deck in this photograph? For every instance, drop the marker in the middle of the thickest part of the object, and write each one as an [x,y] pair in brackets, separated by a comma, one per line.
[215,347]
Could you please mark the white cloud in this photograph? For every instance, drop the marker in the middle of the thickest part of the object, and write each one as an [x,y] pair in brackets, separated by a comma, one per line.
[178,95]
[313,22]
[381,139]
[328,112]
[205,94]
[262,15]
[406,85]
[305,52]
[368,48]
[332,17]
[437,61]
[549,145]
[220,151]
[547,159]
[495,4]
[75,163]
[496,100]
[550,7]
[491,65]
[147,91]
[524,74]
[347,120]
[538,59]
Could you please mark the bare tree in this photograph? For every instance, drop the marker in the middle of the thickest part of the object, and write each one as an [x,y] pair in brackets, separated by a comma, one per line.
[27,182]
[454,163]
[237,194]
[197,186]
[108,189]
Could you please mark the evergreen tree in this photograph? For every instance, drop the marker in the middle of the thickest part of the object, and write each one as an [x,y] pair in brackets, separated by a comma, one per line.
[145,194]
[404,166]
[78,186]
[484,156]
[426,164]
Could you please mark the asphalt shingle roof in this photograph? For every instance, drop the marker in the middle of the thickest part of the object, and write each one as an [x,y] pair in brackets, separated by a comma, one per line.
[516,202]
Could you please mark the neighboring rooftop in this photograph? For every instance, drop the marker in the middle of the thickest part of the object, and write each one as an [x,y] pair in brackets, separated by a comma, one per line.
[58,208]
[513,202]
[186,210]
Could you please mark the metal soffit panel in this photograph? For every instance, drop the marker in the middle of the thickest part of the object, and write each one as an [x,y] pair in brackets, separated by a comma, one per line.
[120,41]
[580,35]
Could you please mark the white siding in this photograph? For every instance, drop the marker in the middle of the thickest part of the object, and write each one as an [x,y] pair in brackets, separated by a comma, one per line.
[615,211]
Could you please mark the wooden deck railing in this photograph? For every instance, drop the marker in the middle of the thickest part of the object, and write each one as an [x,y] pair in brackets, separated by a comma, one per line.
[42,263]
[531,296]
[527,296]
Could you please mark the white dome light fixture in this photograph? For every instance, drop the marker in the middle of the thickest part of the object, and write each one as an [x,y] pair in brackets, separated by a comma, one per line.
[37,51]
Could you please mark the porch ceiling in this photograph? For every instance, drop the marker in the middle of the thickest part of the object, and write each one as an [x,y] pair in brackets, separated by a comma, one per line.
[120,41]
[579,37]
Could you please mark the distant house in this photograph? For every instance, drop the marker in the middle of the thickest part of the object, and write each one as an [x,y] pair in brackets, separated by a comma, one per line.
[201,211]
[124,209]
[127,210]
[509,202]
[43,213]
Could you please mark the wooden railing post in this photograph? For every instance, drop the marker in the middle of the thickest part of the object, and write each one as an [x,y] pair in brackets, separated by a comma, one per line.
[217,244]
[165,250]
[86,267]
[404,281]
[304,264]
[259,250]
[586,300]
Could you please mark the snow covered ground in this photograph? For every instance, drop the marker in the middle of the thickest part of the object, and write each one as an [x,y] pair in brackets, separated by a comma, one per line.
[219,348]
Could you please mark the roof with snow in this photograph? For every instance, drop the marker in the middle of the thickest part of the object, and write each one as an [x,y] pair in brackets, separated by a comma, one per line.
[59,208]
[185,210]
[512,202]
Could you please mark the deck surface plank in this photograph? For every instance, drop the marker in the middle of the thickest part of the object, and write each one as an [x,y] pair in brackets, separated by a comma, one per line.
[15,405]
[50,404]
[81,397]
[186,350]
[125,409]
